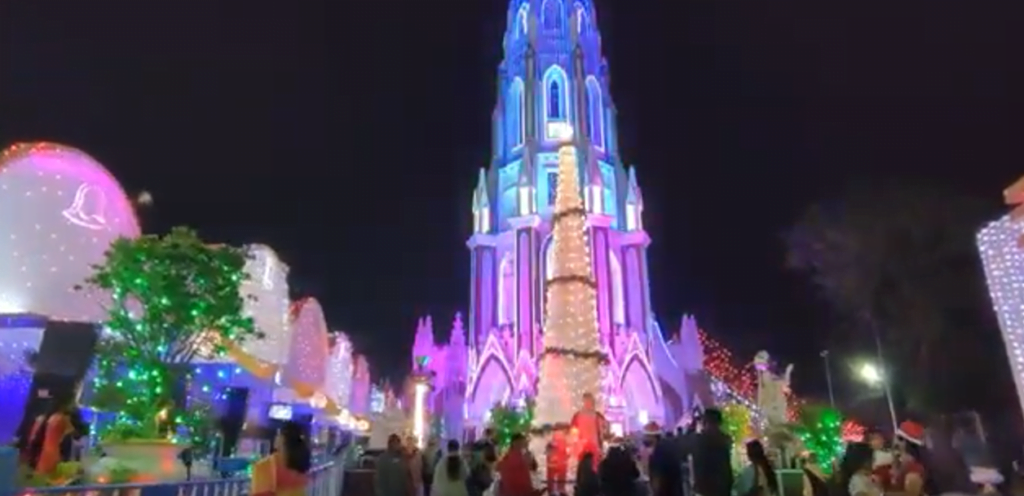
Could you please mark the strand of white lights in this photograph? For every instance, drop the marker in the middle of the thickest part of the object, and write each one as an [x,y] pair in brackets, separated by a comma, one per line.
[1003,261]
[571,318]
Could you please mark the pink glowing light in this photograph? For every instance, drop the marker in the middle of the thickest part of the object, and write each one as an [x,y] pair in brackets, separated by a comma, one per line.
[57,191]
[88,208]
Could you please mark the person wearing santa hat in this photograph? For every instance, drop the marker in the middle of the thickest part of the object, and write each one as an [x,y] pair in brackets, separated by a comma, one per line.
[908,472]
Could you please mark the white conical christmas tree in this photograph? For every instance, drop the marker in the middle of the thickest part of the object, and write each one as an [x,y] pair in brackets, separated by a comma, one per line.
[572,358]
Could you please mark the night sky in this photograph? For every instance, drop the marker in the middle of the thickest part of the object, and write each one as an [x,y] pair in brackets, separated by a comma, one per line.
[348,138]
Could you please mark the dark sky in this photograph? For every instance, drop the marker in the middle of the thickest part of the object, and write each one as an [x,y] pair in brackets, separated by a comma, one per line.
[348,137]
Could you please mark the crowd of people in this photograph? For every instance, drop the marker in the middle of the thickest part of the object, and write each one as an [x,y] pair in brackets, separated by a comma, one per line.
[482,468]
[666,463]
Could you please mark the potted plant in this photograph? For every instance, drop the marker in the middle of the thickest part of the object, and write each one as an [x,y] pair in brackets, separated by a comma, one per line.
[173,298]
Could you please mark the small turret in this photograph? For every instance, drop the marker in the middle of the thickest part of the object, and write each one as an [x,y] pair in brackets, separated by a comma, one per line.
[481,205]
[634,203]
[458,338]
[692,356]
[456,351]
[423,342]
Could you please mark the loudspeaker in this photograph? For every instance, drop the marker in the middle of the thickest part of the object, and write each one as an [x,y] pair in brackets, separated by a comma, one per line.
[65,354]
[232,409]
[67,349]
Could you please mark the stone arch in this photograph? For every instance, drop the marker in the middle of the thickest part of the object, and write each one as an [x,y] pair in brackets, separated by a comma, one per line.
[493,385]
[638,390]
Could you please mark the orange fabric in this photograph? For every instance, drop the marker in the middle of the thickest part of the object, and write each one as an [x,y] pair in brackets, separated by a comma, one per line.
[514,469]
[26,451]
[264,476]
[57,427]
[270,477]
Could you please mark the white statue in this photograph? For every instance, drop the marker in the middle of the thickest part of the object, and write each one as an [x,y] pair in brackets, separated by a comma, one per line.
[772,389]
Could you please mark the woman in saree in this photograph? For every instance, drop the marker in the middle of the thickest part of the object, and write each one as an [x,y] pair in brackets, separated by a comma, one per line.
[48,435]
[283,473]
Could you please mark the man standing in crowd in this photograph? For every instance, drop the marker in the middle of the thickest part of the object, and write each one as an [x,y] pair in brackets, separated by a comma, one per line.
[712,461]
[665,466]
[393,477]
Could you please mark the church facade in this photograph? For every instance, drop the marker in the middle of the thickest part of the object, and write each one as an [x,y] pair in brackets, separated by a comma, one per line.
[554,75]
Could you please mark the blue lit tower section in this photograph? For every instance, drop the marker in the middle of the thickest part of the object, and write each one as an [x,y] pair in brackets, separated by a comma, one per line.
[554,75]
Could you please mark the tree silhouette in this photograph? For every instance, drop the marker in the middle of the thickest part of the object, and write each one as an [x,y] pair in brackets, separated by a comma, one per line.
[900,261]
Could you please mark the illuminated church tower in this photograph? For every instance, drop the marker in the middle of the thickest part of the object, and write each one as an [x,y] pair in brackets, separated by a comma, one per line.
[554,75]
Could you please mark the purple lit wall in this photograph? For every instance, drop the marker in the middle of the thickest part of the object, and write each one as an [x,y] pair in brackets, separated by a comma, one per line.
[19,337]
[543,82]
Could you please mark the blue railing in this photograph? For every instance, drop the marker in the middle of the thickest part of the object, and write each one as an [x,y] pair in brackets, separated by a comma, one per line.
[324,480]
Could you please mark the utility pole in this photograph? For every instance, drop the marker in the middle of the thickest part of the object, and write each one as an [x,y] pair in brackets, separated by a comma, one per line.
[828,378]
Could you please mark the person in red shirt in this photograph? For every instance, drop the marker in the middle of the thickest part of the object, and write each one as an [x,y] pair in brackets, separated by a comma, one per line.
[590,428]
[514,470]
[557,463]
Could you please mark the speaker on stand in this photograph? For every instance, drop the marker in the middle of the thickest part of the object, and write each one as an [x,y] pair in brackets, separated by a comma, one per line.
[231,409]
[58,369]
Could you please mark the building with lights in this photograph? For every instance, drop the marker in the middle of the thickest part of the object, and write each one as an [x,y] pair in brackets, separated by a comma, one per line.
[64,209]
[554,75]
[1002,257]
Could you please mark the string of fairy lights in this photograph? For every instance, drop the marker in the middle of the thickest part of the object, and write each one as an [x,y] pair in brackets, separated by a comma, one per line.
[571,364]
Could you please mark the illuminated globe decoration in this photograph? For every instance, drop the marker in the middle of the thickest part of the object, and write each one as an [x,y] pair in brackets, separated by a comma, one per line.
[1003,260]
[359,399]
[62,210]
[266,301]
[340,368]
[309,348]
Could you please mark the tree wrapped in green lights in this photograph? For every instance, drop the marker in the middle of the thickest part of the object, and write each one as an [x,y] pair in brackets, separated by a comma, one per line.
[508,421]
[820,429]
[173,298]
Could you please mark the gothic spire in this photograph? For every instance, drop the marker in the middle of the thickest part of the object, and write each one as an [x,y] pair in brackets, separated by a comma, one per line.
[482,199]
[633,196]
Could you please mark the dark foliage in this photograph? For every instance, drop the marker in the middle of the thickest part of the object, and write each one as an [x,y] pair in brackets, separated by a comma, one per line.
[901,261]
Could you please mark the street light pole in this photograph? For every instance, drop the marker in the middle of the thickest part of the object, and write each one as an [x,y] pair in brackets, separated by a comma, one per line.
[886,376]
[828,378]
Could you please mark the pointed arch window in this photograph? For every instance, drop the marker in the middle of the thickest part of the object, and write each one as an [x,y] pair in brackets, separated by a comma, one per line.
[595,112]
[521,20]
[556,98]
[582,18]
[515,109]
[552,12]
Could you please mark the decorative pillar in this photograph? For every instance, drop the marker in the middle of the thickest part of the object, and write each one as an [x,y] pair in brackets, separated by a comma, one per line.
[527,263]
[635,282]
[598,225]
[482,286]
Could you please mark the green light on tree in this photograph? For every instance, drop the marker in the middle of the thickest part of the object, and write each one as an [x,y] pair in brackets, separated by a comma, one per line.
[820,430]
[174,298]
[508,421]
